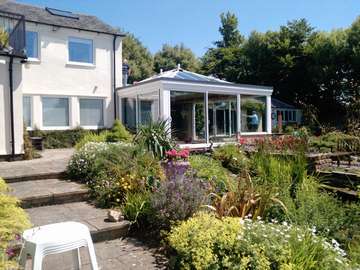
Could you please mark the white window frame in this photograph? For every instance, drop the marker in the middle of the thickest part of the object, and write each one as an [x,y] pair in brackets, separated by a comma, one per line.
[35,59]
[85,41]
[103,111]
[56,127]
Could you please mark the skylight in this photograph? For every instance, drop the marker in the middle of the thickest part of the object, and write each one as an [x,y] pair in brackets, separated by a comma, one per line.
[62,13]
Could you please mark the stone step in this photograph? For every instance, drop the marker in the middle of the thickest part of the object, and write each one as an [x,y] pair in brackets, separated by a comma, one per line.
[34,176]
[84,212]
[48,192]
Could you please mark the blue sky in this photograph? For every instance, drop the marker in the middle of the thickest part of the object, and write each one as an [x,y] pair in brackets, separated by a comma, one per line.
[195,22]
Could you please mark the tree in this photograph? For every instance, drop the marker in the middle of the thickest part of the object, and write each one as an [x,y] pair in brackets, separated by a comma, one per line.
[169,57]
[222,60]
[139,58]
[231,36]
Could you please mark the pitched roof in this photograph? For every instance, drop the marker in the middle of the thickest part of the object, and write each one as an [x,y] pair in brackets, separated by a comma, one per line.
[41,15]
[275,103]
[182,74]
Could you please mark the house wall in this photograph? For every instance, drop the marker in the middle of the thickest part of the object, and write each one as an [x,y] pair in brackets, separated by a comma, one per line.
[53,75]
[5,128]
[274,113]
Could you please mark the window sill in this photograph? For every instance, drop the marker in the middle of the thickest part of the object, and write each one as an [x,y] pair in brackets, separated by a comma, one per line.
[33,60]
[92,127]
[80,64]
[56,128]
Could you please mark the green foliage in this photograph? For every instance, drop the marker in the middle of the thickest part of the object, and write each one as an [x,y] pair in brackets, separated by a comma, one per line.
[155,137]
[211,170]
[169,57]
[136,207]
[320,68]
[204,242]
[4,38]
[232,157]
[335,141]
[111,170]
[118,133]
[139,58]
[13,221]
[60,138]
[91,137]
[230,34]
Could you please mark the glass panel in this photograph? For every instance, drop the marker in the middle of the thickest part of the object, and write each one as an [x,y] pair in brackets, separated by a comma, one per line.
[149,108]
[32,44]
[188,116]
[55,112]
[27,111]
[222,117]
[253,114]
[91,112]
[80,50]
[128,107]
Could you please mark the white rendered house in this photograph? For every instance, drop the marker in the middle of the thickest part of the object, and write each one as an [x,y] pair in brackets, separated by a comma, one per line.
[200,109]
[59,71]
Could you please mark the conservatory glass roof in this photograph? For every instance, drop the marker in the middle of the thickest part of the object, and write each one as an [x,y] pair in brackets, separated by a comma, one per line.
[182,74]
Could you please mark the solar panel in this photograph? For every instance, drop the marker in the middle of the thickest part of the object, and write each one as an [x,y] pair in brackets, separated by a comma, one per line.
[62,13]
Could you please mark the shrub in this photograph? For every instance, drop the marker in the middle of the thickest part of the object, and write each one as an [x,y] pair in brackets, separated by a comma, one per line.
[13,220]
[113,169]
[59,138]
[82,164]
[156,138]
[231,157]
[204,242]
[178,198]
[244,201]
[91,137]
[210,170]
[118,133]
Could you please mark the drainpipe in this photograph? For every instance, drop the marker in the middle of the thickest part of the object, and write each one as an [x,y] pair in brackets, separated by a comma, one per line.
[11,86]
[114,77]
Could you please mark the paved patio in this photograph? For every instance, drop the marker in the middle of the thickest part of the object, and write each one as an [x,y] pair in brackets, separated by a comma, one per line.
[51,161]
[119,254]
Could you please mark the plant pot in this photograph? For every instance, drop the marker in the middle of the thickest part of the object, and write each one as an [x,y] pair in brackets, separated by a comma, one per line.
[37,143]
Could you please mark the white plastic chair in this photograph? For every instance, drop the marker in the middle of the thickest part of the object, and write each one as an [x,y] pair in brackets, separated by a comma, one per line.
[57,238]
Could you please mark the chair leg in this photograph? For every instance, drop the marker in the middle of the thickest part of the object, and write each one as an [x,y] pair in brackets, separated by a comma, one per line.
[77,258]
[37,261]
[91,250]
[23,257]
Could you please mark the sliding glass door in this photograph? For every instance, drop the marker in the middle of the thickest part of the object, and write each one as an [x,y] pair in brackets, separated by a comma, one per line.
[222,117]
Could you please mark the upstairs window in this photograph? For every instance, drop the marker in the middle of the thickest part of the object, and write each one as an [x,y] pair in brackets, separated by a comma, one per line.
[81,50]
[32,44]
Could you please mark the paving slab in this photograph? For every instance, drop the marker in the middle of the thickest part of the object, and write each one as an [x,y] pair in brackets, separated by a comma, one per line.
[95,218]
[47,192]
[52,162]
[124,254]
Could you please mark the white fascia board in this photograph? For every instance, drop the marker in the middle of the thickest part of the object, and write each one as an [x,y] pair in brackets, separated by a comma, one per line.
[217,89]
[139,89]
